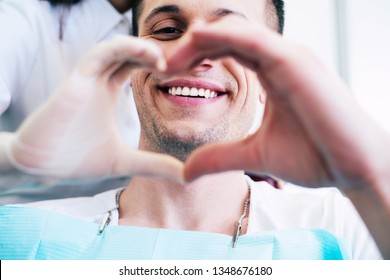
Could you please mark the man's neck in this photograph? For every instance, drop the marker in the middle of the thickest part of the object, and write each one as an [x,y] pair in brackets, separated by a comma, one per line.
[121,6]
[211,204]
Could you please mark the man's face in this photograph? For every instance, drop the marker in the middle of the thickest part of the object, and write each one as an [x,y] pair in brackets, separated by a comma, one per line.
[214,102]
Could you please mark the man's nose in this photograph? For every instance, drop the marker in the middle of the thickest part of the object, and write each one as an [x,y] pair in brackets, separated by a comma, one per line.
[203,66]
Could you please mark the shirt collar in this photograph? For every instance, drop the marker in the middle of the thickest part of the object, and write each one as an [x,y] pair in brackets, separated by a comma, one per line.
[110,17]
[94,17]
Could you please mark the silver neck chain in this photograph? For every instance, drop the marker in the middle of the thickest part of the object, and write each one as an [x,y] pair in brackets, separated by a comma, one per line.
[106,219]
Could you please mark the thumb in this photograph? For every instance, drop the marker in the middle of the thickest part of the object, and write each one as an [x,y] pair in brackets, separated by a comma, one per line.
[240,155]
[136,162]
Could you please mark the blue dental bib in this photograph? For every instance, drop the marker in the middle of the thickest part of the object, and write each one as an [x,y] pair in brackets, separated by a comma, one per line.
[27,233]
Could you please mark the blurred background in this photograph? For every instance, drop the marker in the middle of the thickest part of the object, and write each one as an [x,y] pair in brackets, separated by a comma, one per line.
[353,38]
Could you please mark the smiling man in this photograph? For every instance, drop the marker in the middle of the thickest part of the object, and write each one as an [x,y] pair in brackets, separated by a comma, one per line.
[214,102]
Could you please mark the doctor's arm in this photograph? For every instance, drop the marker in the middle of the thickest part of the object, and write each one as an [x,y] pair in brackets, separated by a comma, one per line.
[74,134]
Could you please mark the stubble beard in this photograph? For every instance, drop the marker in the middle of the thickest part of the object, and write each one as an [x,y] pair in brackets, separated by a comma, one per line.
[160,139]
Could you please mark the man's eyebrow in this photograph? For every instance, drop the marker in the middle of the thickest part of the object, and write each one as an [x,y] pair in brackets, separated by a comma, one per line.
[173,9]
[224,12]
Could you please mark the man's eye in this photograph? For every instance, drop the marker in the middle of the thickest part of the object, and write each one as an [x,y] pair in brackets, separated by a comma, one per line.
[167,33]
[168,30]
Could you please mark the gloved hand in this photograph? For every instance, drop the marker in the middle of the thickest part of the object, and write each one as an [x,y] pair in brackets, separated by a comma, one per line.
[74,134]
[313,132]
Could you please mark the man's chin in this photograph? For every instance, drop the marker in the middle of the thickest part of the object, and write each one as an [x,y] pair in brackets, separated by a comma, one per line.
[180,146]
[181,149]
[180,143]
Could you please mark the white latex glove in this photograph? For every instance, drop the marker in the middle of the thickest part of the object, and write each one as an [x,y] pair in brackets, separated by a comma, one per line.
[74,134]
[313,132]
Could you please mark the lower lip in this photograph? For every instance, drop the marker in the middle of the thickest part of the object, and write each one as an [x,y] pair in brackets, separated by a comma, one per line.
[191,101]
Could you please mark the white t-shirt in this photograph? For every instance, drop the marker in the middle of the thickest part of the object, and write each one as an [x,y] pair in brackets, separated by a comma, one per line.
[34,61]
[270,209]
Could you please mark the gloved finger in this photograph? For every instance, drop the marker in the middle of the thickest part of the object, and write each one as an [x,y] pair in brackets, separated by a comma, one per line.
[109,56]
[136,162]
[252,46]
[240,155]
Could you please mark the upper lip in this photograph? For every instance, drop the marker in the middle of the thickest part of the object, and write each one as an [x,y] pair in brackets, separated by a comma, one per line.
[194,84]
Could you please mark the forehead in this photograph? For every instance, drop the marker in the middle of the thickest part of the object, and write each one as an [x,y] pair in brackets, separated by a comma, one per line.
[253,10]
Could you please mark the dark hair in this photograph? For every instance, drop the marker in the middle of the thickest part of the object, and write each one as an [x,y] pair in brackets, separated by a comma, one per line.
[276,14]
[280,13]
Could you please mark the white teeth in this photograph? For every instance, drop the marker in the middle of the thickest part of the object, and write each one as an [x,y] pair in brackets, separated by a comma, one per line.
[194,92]
[207,93]
[186,91]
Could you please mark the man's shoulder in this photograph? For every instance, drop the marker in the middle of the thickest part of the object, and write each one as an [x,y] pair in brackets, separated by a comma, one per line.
[294,206]
[289,191]
[86,208]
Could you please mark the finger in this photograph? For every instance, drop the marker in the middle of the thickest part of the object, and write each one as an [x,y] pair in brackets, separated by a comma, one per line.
[241,155]
[110,56]
[252,45]
[135,162]
[121,75]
